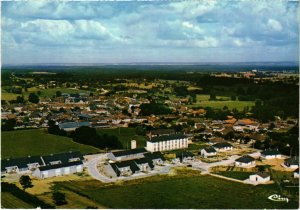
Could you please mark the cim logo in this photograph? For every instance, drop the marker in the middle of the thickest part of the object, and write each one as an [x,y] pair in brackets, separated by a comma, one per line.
[276,197]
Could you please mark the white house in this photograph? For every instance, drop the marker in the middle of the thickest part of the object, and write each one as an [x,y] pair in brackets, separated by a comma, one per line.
[58,169]
[292,163]
[245,161]
[156,157]
[184,156]
[167,142]
[222,146]
[260,177]
[296,173]
[270,154]
[208,152]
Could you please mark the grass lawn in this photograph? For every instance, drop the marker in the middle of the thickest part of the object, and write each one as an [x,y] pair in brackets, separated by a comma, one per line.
[187,189]
[125,135]
[236,174]
[239,105]
[37,142]
[9,201]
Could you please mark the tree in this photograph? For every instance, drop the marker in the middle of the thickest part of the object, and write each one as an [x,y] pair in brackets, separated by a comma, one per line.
[59,198]
[212,96]
[25,181]
[33,98]
[58,94]
[9,125]
[233,97]
[20,99]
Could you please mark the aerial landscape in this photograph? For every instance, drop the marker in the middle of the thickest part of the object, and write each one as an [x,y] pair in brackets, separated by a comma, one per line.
[150,104]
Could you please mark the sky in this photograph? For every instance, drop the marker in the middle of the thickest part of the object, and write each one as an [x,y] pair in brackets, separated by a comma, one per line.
[35,32]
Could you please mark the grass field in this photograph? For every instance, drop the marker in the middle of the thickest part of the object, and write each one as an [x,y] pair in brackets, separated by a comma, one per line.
[9,201]
[236,174]
[186,189]
[125,135]
[37,142]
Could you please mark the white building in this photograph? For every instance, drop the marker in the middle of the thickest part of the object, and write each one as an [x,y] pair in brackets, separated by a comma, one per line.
[260,177]
[222,146]
[270,154]
[208,152]
[292,163]
[169,142]
[245,161]
[127,154]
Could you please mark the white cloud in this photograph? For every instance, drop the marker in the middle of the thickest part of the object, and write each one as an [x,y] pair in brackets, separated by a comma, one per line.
[275,25]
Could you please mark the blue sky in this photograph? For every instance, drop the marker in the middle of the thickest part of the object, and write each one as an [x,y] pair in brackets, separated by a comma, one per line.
[166,31]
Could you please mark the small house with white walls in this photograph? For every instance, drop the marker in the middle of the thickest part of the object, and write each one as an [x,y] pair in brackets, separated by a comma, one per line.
[127,154]
[291,163]
[270,154]
[245,161]
[222,146]
[208,152]
[260,177]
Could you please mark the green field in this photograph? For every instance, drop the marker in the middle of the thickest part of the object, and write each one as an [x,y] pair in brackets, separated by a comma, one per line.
[240,175]
[9,201]
[186,190]
[37,142]
[125,135]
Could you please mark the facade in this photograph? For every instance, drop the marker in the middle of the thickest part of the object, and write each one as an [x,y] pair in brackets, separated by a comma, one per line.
[208,152]
[245,161]
[270,154]
[58,169]
[167,142]
[71,126]
[260,177]
[292,163]
[156,157]
[45,166]
[222,146]
[184,156]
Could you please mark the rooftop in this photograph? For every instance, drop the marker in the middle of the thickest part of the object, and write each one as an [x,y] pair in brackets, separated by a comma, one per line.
[245,159]
[168,137]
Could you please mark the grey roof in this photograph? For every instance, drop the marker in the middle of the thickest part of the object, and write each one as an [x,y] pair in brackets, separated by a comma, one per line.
[155,155]
[129,152]
[143,161]
[263,174]
[62,165]
[222,145]
[270,152]
[73,124]
[245,159]
[292,161]
[127,163]
[63,157]
[20,162]
[168,137]
[210,150]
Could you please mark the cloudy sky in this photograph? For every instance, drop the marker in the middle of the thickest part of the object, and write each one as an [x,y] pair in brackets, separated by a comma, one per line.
[155,31]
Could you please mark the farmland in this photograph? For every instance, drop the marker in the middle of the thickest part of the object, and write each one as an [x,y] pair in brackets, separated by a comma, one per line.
[173,192]
[37,142]
[9,201]
[125,135]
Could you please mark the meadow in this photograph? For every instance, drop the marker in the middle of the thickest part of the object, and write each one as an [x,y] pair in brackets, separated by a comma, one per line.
[125,135]
[185,189]
[22,143]
[10,201]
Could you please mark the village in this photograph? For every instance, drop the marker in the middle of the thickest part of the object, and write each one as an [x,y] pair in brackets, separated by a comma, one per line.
[148,128]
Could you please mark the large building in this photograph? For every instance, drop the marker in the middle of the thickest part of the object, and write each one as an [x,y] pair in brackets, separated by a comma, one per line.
[45,166]
[167,142]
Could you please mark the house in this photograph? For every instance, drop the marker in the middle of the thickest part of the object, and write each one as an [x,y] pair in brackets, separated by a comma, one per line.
[260,177]
[208,152]
[245,161]
[58,169]
[184,156]
[292,163]
[144,164]
[270,154]
[124,168]
[20,165]
[222,146]
[127,154]
[71,126]
[156,157]
[167,142]
[296,174]
[160,132]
